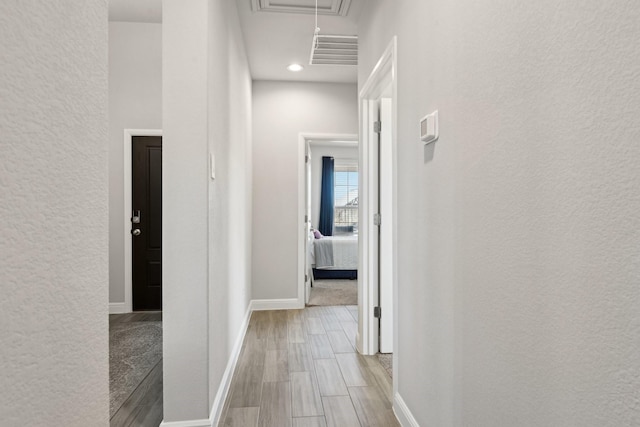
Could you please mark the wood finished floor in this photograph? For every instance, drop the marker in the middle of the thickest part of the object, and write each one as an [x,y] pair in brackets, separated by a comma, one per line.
[143,408]
[299,368]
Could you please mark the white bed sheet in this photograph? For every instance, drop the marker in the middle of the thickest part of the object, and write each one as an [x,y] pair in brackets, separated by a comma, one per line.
[344,253]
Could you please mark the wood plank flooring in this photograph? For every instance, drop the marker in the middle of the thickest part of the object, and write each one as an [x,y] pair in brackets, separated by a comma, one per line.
[143,408]
[299,368]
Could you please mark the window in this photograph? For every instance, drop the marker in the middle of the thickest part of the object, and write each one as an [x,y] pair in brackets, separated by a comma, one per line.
[345,219]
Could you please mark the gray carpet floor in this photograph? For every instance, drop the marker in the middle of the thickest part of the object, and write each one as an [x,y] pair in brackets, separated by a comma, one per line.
[334,292]
[386,360]
[134,349]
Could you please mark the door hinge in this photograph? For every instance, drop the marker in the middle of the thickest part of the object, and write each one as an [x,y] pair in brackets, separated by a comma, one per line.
[306,219]
[377,219]
[377,312]
[306,278]
[377,127]
[306,159]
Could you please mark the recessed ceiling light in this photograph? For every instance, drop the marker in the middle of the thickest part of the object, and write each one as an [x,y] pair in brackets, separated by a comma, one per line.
[295,67]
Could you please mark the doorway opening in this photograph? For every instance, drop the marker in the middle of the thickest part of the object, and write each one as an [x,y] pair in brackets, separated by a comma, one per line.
[135,336]
[332,217]
[311,148]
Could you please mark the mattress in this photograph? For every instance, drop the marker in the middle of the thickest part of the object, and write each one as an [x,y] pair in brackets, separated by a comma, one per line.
[335,253]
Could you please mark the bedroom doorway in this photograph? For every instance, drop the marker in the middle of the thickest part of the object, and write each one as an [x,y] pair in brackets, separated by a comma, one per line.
[334,280]
[333,221]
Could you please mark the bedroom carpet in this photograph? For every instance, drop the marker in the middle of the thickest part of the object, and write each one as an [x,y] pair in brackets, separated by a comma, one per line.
[387,362]
[135,348]
[334,292]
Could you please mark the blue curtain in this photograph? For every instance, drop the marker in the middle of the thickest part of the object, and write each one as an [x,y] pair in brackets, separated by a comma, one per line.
[325,223]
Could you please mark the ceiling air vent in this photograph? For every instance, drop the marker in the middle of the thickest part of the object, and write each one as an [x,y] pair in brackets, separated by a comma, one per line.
[334,50]
[324,7]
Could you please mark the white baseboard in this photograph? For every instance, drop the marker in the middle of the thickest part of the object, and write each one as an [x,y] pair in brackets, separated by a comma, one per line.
[117,308]
[225,383]
[275,304]
[190,423]
[404,415]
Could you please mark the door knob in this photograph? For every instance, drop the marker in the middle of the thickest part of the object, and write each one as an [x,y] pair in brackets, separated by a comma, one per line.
[136,231]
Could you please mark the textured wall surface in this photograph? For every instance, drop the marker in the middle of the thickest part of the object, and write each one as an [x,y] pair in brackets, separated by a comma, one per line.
[135,102]
[519,231]
[206,223]
[281,111]
[230,205]
[53,213]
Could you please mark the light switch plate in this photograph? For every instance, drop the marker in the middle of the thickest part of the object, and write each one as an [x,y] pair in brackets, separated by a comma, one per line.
[429,128]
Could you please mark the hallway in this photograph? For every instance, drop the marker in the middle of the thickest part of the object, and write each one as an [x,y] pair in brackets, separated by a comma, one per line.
[300,368]
[517,231]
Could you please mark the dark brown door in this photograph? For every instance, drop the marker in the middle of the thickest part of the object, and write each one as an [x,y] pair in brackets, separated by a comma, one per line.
[146,222]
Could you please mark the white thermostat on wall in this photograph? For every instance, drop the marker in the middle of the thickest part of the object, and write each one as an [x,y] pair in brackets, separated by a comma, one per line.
[429,127]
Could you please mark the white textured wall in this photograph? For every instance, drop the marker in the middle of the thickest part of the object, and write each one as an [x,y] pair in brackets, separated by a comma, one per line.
[281,111]
[230,194]
[348,154]
[135,102]
[519,229]
[53,214]
[206,224]
[185,254]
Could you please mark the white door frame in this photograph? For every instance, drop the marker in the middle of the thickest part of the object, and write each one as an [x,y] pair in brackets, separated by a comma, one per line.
[308,279]
[305,138]
[128,241]
[383,76]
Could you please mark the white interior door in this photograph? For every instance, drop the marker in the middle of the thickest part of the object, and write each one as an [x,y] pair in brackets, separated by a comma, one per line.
[373,246]
[386,227]
[381,84]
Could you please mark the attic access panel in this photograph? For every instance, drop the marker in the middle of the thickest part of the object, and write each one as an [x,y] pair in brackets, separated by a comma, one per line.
[325,7]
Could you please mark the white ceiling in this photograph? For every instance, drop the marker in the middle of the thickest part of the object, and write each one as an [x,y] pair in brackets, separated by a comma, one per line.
[135,10]
[275,40]
[276,37]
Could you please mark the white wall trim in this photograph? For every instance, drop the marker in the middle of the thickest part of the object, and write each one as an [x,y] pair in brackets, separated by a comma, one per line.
[383,75]
[225,383]
[117,308]
[403,414]
[305,138]
[189,423]
[128,137]
[276,304]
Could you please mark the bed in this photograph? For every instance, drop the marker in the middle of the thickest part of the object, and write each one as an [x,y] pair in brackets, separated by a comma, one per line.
[334,257]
